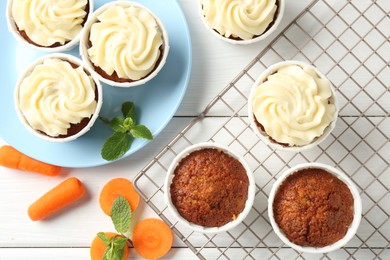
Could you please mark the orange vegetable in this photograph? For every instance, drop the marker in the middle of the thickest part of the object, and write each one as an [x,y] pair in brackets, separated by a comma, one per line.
[12,158]
[113,189]
[57,198]
[152,238]
[97,247]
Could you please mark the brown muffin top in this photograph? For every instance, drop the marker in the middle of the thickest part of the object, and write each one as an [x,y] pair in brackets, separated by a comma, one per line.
[313,208]
[209,188]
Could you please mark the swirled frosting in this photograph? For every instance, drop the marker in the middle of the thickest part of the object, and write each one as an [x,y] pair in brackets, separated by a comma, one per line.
[125,40]
[50,21]
[243,19]
[56,95]
[294,105]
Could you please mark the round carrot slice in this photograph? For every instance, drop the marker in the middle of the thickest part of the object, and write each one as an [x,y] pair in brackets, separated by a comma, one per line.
[152,238]
[113,189]
[97,247]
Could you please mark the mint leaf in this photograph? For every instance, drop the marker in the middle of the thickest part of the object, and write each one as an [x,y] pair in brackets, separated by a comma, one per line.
[117,124]
[116,249]
[119,246]
[116,146]
[125,131]
[141,131]
[128,110]
[121,214]
[128,123]
[105,239]
[109,253]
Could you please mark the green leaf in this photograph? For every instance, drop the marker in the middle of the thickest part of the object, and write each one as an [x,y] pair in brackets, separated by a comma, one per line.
[117,124]
[128,124]
[121,214]
[116,248]
[105,239]
[128,110]
[119,246]
[116,146]
[141,131]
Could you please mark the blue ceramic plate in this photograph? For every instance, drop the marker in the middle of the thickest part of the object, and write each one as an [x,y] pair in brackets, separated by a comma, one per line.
[156,101]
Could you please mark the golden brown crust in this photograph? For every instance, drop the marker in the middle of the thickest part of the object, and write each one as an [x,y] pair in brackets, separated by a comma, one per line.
[209,188]
[313,208]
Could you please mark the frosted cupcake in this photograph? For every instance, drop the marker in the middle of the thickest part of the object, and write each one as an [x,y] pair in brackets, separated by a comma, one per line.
[49,25]
[292,106]
[124,43]
[57,98]
[242,22]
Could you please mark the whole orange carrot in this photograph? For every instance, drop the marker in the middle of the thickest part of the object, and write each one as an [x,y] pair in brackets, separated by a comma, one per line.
[60,196]
[12,158]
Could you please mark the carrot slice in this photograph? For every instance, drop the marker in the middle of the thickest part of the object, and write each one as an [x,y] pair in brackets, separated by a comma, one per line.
[113,189]
[55,199]
[152,238]
[12,158]
[97,247]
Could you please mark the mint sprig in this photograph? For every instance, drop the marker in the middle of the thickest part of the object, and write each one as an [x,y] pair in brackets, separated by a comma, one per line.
[121,217]
[125,130]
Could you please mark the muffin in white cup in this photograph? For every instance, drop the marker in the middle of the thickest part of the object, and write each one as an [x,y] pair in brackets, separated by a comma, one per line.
[241,22]
[314,208]
[48,25]
[209,188]
[292,106]
[125,43]
[57,98]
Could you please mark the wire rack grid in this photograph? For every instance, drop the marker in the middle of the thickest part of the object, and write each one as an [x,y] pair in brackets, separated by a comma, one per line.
[349,42]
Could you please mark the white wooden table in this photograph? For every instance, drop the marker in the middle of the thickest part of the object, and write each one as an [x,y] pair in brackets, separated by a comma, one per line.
[68,235]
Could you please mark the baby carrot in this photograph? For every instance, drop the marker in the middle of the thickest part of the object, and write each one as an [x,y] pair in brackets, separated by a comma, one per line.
[152,238]
[118,187]
[12,158]
[60,196]
[97,247]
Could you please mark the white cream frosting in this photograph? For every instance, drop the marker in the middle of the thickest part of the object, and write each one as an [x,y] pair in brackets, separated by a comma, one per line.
[47,22]
[239,18]
[55,95]
[126,40]
[294,105]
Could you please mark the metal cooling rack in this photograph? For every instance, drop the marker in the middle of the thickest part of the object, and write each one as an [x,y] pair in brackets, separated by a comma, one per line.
[349,42]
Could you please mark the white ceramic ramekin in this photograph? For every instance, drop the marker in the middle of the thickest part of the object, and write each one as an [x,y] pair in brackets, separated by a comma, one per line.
[85,38]
[30,68]
[263,135]
[266,34]
[357,208]
[195,227]
[67,46]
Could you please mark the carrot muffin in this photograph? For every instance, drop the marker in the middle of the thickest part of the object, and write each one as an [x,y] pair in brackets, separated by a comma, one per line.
[57,98]
[49,23]
[313,208]
[209,188]
[240,20]
[293,105]
[126,43]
